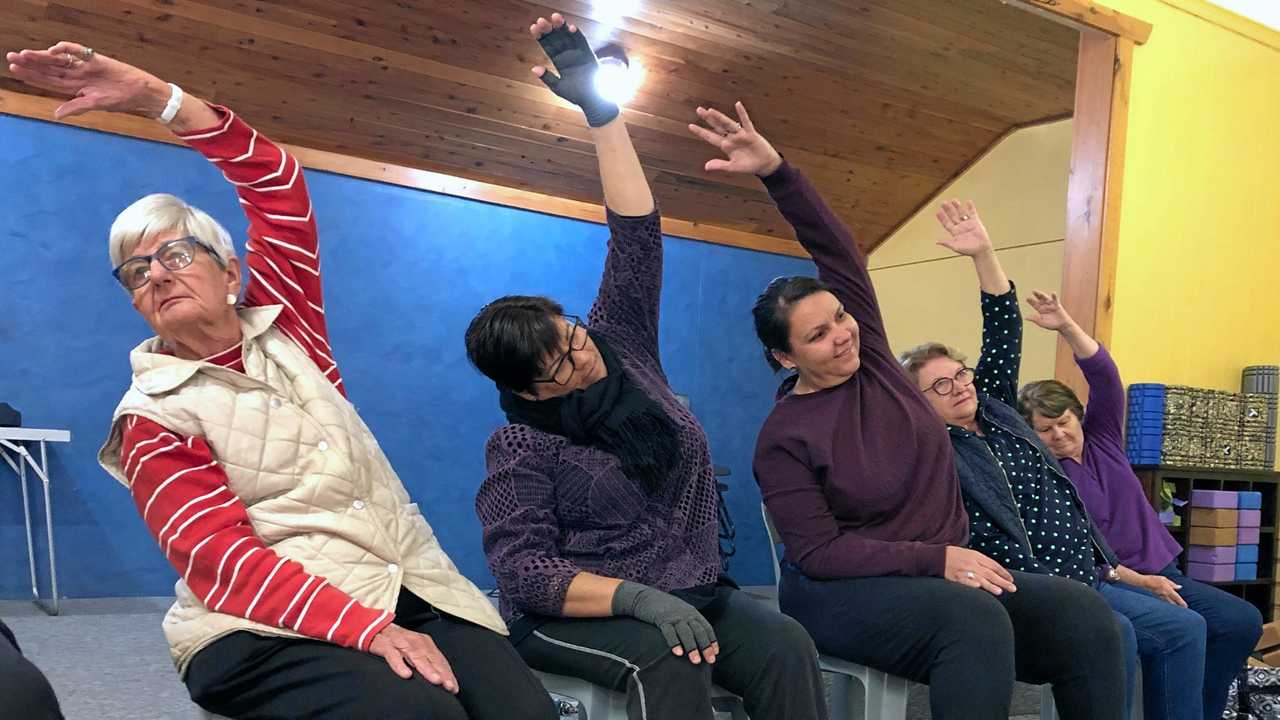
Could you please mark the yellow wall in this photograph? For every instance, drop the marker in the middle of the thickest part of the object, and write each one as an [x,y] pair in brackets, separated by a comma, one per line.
[929,293]
[1198,267]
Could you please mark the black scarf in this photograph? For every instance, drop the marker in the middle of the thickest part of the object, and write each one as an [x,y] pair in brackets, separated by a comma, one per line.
[613,415]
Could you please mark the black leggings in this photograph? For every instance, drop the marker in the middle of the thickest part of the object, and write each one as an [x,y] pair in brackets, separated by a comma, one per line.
[969,645]
[765,657]
[24,691]
[255,677]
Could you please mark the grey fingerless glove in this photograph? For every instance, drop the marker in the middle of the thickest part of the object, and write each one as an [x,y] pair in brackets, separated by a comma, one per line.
[680,623]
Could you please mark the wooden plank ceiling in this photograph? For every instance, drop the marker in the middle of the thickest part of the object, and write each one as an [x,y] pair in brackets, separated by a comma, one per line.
[880,101]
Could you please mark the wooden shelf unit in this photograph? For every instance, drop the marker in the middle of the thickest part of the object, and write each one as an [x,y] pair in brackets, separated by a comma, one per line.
[1261,593]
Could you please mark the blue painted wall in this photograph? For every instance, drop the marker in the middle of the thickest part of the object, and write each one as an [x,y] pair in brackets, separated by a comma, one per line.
[404,272]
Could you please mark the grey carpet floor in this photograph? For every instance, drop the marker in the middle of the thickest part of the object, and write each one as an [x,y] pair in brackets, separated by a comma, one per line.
[107,660]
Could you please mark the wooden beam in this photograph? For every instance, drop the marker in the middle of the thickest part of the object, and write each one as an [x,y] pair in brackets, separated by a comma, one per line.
[1094,191]
[1086,14]
[41,108]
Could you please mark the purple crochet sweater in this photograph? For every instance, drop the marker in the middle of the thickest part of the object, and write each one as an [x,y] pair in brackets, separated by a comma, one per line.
[551,509]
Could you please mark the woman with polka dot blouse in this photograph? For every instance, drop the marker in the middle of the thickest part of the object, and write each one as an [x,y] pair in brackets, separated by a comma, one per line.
[1023,510]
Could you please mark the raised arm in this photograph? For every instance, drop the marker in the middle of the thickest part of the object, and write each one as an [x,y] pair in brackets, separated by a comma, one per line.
[1105,413]
[967,236]
[283,256]
[840,263]
[627,303]
[996,373]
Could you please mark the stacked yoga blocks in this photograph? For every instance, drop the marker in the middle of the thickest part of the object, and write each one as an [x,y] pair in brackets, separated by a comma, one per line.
[1193,427]
[1223,540]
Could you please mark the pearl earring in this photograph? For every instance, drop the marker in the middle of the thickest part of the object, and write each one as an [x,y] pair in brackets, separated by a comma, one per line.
[231,299]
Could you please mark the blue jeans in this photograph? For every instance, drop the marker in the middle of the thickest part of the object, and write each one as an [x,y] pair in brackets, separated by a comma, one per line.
[1189,655]
[1234,627]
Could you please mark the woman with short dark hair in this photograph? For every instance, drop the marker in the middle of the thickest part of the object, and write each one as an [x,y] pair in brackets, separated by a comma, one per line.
[599,508]
[1089,444]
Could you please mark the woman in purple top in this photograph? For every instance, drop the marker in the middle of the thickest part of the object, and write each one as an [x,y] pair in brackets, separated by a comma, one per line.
[858,476]
[1090,446]
[599,508]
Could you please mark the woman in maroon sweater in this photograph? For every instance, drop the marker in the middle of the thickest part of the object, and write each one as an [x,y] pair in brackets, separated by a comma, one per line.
[859,478]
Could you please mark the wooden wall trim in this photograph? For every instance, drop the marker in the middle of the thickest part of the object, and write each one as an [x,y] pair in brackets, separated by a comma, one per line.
[41,108]
[1086,14]
[1094,192]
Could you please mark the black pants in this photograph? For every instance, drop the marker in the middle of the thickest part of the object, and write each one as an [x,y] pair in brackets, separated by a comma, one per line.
[765,657]
[251,677]
[24,691]
[969,645]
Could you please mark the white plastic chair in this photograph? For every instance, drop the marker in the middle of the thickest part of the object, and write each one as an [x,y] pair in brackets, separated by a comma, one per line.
[601,703]
[884,696]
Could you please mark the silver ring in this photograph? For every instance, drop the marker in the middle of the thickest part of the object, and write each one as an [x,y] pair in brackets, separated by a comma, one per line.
[86,54]
[963,218]
[970,575]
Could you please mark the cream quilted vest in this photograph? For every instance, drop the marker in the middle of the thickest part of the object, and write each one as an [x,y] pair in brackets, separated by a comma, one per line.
[317,486]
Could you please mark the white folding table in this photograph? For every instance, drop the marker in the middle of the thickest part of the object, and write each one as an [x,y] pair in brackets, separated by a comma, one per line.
[14,444]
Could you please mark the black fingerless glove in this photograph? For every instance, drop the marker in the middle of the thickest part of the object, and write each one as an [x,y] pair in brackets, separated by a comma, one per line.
[577,65]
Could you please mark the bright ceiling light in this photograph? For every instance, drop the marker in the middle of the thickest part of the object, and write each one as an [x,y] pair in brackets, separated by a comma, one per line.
[610,13]
[617,80]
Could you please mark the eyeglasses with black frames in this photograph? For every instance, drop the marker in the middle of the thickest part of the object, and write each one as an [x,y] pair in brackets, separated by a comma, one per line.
[173,255]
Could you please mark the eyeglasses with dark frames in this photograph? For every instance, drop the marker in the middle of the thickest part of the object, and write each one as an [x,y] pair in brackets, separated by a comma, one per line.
[173,255]
[946,385]
[562,369]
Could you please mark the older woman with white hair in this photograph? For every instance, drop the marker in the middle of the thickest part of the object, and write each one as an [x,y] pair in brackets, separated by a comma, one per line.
[311,586]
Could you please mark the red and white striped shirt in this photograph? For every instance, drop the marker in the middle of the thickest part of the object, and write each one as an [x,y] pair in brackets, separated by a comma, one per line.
[177,484]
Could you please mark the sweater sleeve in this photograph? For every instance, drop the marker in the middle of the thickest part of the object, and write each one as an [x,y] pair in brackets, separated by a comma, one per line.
[204,530]
[814,540]
[283,248]
[840,264]
[627,303]
[516,506]
[1001,356]
[1104,418]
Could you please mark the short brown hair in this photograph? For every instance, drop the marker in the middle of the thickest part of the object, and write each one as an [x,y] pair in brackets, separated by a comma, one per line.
[915,358]
[1050,397]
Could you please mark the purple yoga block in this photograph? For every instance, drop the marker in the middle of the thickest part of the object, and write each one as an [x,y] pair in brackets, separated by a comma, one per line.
[1211,572]
[1249,518]
[1247,536]
[1225,554]
[1213,498]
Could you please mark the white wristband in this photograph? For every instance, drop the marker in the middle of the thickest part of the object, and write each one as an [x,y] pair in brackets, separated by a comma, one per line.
[171,107]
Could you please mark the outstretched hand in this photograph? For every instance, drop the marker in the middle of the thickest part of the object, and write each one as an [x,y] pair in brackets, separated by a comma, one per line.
[966,235]
[1050,314]
[745,150]
[95,81]
[568,51]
